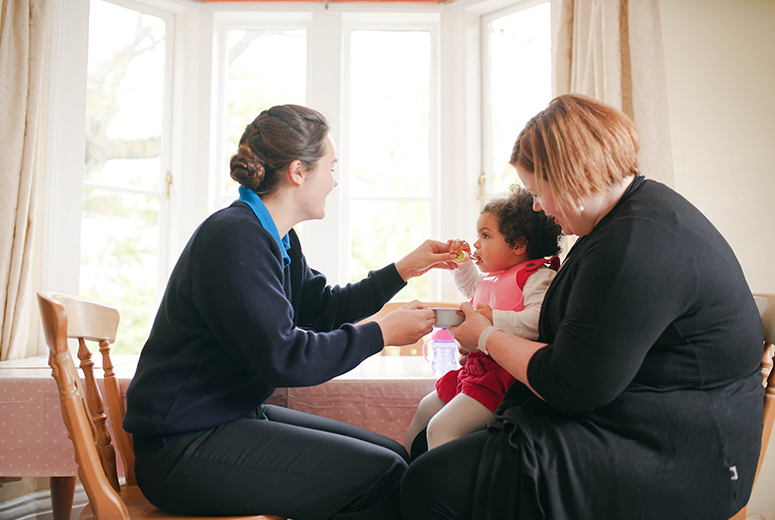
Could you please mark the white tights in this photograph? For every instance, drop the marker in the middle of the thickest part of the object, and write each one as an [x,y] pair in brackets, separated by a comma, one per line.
[446,422]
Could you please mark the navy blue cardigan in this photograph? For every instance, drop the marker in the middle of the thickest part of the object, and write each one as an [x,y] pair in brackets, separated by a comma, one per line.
[234,324]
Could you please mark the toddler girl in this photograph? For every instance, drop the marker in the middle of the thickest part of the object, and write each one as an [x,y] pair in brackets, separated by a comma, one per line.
[508,288]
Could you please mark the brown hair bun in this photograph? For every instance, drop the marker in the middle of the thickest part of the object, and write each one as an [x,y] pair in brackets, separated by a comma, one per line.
[276,138]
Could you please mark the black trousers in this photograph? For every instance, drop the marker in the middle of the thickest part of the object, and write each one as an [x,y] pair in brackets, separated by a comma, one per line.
[439,484]
[277,462]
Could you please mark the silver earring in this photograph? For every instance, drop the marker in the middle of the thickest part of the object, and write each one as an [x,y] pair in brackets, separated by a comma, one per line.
[580,207]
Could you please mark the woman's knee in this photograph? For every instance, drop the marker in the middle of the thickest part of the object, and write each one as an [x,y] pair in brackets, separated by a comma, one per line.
[417,486]
[427,491]
[388,470]
[440,483]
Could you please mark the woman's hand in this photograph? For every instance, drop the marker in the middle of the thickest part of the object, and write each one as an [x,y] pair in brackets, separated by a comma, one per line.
[510,352]
[407,324]
[431,254]
[486,311]
[468,332]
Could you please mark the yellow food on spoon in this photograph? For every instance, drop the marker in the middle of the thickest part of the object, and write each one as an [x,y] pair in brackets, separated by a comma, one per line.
[461,257]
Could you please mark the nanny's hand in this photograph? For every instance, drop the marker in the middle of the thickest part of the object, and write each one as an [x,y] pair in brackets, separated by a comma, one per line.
[468,332]
[407,324]
[431,254]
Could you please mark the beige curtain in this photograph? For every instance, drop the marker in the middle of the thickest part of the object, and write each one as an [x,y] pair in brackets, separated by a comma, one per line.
[612,50]
[25,27]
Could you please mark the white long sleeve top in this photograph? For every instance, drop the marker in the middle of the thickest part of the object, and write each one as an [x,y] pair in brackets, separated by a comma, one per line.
[522,323]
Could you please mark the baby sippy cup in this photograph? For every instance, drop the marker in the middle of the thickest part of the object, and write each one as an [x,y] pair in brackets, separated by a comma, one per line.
[444,349]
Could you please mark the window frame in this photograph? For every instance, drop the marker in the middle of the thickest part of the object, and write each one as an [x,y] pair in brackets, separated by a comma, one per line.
[487,191]
[164,192]
[223,22]
[360,21]
[195,130]
[64,187]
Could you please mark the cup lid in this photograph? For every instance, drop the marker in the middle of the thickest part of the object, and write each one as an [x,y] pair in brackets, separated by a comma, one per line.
[442,335]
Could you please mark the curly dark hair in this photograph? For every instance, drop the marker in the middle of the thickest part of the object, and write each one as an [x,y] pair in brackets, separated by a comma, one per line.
[275,139]
[517,220]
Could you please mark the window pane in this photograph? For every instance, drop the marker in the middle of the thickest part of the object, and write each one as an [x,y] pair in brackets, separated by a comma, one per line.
[520,81]
[390,78]
[264,68]
[119,241]
[123,170]
[125,94]
[390,112]
[383,232]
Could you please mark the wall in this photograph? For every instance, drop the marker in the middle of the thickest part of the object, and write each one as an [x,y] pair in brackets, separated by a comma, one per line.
[720,61]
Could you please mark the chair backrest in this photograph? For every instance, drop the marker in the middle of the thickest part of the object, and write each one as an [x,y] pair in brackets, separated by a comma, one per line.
[766,305]
[83,410]
[415,349]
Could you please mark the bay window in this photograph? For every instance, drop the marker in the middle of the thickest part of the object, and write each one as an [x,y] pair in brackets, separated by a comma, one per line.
[147,110]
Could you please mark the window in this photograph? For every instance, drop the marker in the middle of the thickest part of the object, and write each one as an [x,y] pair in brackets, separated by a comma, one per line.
[517,82]
[124,197]
[163,90]
[263,67]
[389,198]
[381,112]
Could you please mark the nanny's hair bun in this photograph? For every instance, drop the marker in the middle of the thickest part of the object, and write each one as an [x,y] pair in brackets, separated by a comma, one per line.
[246,168]
[276,138]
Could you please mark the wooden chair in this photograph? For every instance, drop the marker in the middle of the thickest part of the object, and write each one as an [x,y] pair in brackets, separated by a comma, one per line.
[415,349]
[766,305]
[83,410]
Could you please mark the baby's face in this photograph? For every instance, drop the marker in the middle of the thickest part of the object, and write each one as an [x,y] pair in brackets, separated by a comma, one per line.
[492,252]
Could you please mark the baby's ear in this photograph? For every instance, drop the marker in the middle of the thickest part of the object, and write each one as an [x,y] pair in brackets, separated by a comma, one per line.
[520,247]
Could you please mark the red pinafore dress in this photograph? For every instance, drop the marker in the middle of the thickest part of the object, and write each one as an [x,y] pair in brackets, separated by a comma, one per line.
[481,377]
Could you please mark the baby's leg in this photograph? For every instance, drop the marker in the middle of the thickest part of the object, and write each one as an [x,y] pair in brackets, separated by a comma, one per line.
[428,407]
[461,416]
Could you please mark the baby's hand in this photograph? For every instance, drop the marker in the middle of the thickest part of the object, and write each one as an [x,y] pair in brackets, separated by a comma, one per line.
[461,249]
[462,355]
[485,310]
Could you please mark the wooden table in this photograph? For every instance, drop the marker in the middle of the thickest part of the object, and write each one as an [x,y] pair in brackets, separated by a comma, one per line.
[380,395]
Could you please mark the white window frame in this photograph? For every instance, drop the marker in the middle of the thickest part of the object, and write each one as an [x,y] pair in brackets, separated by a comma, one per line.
[426,22]
[223,22]
[196,134]
[328,32]
[497,11]
[63,196]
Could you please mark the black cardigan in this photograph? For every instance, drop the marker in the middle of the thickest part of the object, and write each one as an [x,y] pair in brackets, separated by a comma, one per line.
[652,395]
[234,324]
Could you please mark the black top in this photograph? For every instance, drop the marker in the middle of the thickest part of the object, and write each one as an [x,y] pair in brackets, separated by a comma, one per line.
[653,398]
[234,324]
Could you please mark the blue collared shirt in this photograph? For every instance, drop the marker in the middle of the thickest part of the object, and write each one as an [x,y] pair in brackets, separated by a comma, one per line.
[250,198]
